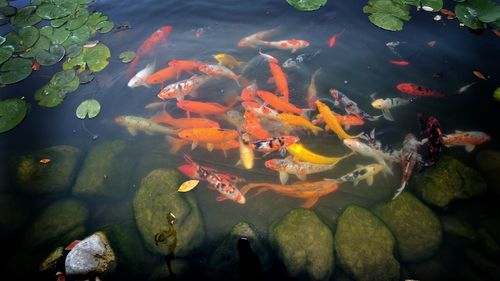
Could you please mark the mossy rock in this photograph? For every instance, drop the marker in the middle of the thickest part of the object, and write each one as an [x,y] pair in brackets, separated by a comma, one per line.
[416,228]
[488,162]
[13,214]
[157,196]
[365,247]
[224,261]
[447,181]
[106,170]
[56,222]
[35,177]
[458,227]
[91,256]
[52,260]
[304,244]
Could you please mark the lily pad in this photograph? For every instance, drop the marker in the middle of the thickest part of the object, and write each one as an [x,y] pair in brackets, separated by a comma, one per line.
[90,108]
[59,22]
[52,56]
[96,18]
[43,43]
[105,26]
[13,39]
[59,35]
[307,5]
[496,94]
[15,70]
[97,57]
[77,62]
[74,50]
[29,36]
[80,35]
[78,19]
[387,14]
[46,31]
[386,21]
[84,2]
[127,56]
[5,53]
[8,11]
[12,112]
[86,76]
[26,16]
[49,96]
[67,81]
[50,11]
[470,20]
[2,39]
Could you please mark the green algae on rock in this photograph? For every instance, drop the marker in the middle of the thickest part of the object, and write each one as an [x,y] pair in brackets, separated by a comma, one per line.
[365,247]
[304,244]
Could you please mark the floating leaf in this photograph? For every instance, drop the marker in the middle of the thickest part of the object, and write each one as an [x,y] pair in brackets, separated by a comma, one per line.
[469,19]
[60,85]
[97,57]
[43,43]
[386,21]
[127,56]
[88,108]
[84,2]
[49,96]
[78,19]
[96,18]
[59,22]
[15,70]
[46,31]
[26,16]
[52,56]
[12,113]
[496,94]
[62,78]
[307,5]
[86,76]
[13,39]
[5,53]
[2,39]
[59,35]
[50,11]
[188,185]
[80,35]
[8,11]
[105,26]
[387,14]
[74,50]
[75,62]
[29,36]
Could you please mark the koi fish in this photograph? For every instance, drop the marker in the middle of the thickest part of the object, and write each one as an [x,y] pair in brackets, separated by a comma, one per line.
[268,58]
[274,144]
[45,161]
[299,60]
[450,14]
[465,88]
[279,79]
[162,75]
[393,45]
[311,191]
[300,153]
[431,44]
[278,103]
[207,135]
[400,62]
[218,71]
[183,123]
[255,39]
[409,157]
[182,88]
[248,93]
[368,151]
[345,120]
[159,36]
[287,166]
[417,90]
[299,121]
[204,108]
[331,121]
[228,60]
[293,45]
[341,100]
[184,65]
[135,123]
[386,104]
[246,155]
[333,39]
[362,173]
[252,126]
[312,92]
[468,139]
[177,144]
[140,79]
[479,75]
[435,135]
[260,110]
[234,117]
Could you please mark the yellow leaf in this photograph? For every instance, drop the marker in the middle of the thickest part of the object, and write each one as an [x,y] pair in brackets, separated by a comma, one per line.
[188,185]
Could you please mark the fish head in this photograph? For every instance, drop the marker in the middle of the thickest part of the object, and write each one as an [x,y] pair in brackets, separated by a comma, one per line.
[120,119]
[166,29]
[189,170]
[134,82]
[219,57]
[378,103]
[289,140]
[353,144]
[274,164]
[239,198]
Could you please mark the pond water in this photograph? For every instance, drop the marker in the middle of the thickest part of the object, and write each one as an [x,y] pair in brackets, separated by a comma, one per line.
[358,65]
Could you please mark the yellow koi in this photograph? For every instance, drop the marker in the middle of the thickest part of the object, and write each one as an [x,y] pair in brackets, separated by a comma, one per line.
[331,121]
[300,153]
[228,60]
[246,156]
[299,121]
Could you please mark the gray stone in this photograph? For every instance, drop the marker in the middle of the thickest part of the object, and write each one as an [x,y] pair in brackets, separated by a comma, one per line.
[457,227]
[93,255]
[56,176]
[106,170]
[304,244]
[416,228]
[449,180]
[55,222]
[365,247]
[223,263]
[157,196]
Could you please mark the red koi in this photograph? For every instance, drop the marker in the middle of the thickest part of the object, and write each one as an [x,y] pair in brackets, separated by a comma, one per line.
[159,36]
[333,39]
[417,90]
[400,62]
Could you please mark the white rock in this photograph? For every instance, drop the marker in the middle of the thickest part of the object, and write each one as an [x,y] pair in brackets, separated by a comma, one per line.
[93,255]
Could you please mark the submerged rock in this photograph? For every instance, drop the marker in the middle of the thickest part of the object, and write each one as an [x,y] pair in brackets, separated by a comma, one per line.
[34,176]
[224,262]
[304,244]
[61,219]
[490,268]
[180,267]
[365,246]
[447,181]
[489,164]
[416,228]
[93,255]
[155,198]
[12,214]
[106,170]
[457,227]
[50,263]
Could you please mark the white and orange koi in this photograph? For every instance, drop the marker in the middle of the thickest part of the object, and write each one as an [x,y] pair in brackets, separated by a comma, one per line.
[362,173]
[255,39]
[467,139]
[293,45]
[182,88]
[409,157]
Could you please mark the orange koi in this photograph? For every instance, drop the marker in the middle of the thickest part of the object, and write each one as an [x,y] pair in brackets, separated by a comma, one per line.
[162,75]
[417,90]
[400,62]
[497,33]
[182,88]
[260,110]
[45,161]
[252,126]
[279,79]
[450,14]
[207,135]
[184,65]
[467,139]
[218,71]
[177,144]
[204,108]
[291,44]
[256,39]
[248,93]
[159,36]
[345,120]
[311,191]
[278,103]
[333,39]
[183,123]
[299,121]
[479,75]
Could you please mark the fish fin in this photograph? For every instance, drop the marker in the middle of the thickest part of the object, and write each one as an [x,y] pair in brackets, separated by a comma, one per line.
[145,84]
[399,190]
[176,144]
[387,114]
[283,177]
[239,163]
[372,95]
[221,198]
[301,177]
[310,202]
[282,152]
[469,147]
[294,50]
[210,147]
[369,180]
[132,131]
[356,182]
[180,98]
[194,145]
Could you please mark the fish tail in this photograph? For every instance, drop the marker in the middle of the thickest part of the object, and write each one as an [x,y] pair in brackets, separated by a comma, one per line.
[399,190]
[163,117]
[175,144]
[241,63]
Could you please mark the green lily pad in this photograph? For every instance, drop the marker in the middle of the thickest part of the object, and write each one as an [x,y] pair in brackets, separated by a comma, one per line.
[4,3]
[29,36]
[25,16]
[127,56]
[2,39]
[85,76]
[8,11]
[307,5]
[387,14]
[496,94]
[52,56]
[50,11]
[38,2]
[43,43]
[90,108]
[435,5]
[46,31]
[97,57]
[61,84]
[12,113]
[487,11]
[15,70]
[469,19]
[386,21]
[77,62]
[105,26]
[49,96]
[59,35]
[5,53]
[78,19]
[62,78]
[96,18]
[495,25]
[73,50]
[84,2]
[80,35]
[59,22]
[13,39]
